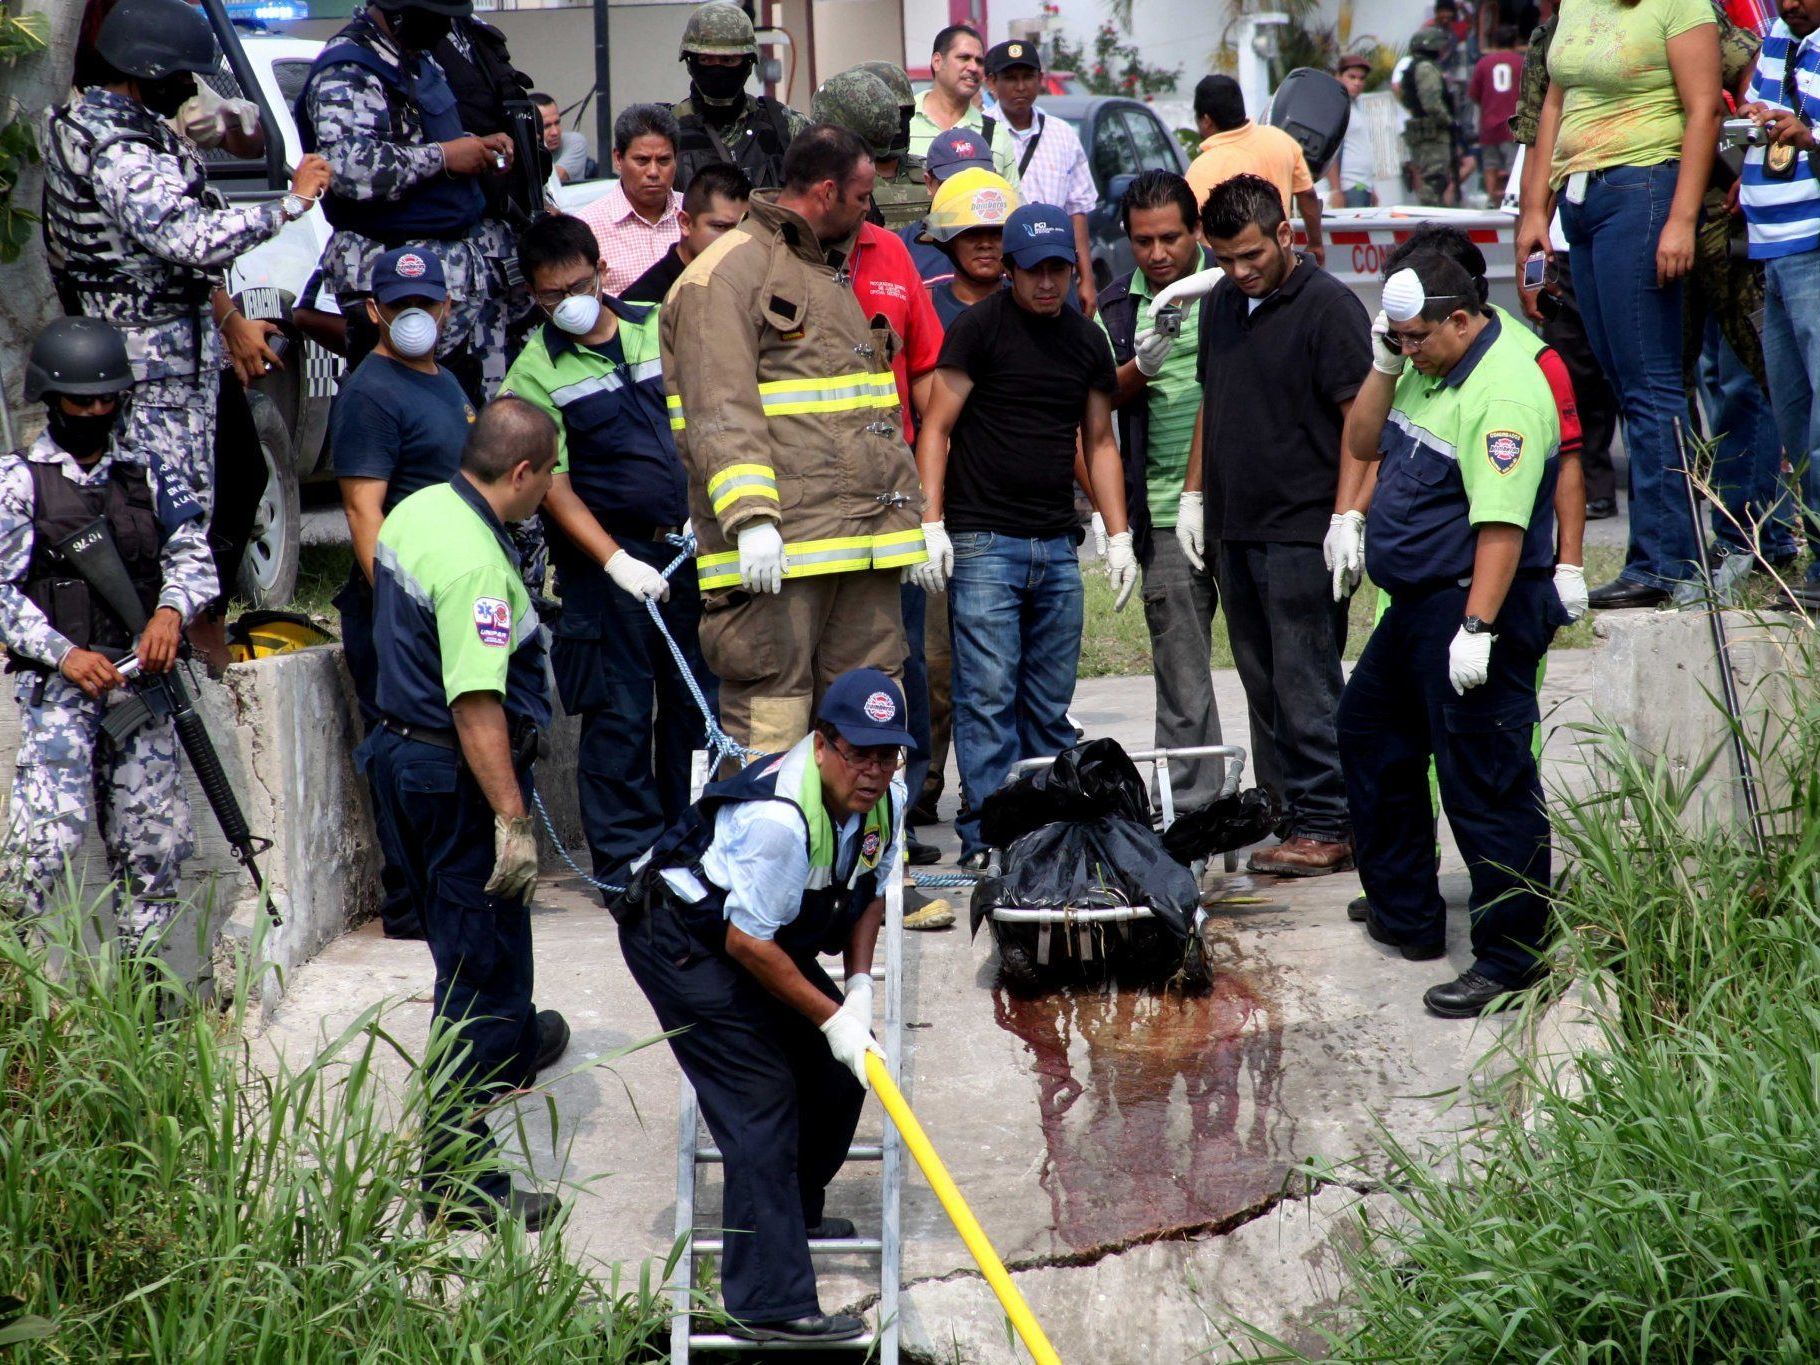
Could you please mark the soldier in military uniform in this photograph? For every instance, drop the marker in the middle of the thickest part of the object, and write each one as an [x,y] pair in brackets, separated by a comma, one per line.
[136,238]
[863,103]
[719,120]
[405,171]
[59,636]
[1428,134]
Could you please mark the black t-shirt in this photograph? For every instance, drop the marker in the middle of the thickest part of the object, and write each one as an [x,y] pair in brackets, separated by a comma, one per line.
[651,286]
[395,423]
[1272,381]
[1011,458]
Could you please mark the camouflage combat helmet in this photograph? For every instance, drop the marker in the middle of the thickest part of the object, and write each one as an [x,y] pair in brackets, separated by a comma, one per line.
[860,102]
[896,77]
[1429,41]
[718,29]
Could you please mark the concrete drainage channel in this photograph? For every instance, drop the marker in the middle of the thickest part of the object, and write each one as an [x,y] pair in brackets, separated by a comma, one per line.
[1131,1155]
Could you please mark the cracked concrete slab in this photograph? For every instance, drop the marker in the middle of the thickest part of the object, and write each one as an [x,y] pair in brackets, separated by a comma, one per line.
[1117,1147]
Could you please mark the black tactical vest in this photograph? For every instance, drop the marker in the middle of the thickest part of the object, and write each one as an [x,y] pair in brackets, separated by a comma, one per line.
[759,151]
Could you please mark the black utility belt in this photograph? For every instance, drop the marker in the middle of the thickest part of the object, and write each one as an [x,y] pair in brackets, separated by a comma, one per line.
[525,738]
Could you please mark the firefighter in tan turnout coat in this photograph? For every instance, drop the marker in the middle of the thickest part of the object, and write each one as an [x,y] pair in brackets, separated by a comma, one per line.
[802,492]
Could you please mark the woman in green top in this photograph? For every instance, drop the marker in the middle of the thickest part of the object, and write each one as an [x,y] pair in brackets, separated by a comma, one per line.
[1626,141]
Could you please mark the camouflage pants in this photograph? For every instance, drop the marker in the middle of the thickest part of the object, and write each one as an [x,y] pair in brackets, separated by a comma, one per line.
[67,771]
[1727,288]
[1431,170]
[175,419]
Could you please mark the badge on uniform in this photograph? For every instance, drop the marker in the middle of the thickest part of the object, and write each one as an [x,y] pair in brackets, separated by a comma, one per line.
[1503,449]
[493,621]
[869,849]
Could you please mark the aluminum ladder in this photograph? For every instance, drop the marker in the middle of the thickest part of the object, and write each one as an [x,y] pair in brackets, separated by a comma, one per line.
[694,1148]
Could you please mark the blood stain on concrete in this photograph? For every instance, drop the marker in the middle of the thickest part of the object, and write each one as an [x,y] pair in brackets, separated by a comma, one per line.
[1159,1111]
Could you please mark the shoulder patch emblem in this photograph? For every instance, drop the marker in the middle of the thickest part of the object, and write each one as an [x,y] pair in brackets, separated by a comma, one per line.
[493,621]
[1503,449]
[869,848]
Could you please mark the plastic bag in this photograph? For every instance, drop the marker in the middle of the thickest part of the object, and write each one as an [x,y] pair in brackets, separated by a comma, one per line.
[1089,780]
[1223,824]
[1110,860]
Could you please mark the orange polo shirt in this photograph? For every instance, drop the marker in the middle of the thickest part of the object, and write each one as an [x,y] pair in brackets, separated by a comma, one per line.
[1251,149]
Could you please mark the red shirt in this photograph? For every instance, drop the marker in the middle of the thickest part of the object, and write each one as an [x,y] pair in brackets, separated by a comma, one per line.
[1493,88]
[1554,370]
[886,281]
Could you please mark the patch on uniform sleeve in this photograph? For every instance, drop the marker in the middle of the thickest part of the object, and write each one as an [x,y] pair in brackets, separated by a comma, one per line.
[1503,449]
[493,621]
[869,848]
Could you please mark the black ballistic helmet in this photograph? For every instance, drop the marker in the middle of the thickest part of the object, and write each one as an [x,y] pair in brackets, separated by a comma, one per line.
[80,357]
[149,39]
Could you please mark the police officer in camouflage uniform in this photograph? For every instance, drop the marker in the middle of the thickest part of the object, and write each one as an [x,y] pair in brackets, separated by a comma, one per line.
[406,173]
[858,100]
[135,236]
[719,120]
[55,631]
[1428,134]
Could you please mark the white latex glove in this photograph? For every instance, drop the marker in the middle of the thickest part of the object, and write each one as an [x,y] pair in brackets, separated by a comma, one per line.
[196,117]
[859,994]
[1344,552]
[1098,525]
[1468,659]
[638,578]
[514,858]
[850,1039]
[1188,287]
[1570,586]
[1385,357]
[761,557]
[933,574]
[1191,528]
[1153,348]
[242,112]
[1121,568]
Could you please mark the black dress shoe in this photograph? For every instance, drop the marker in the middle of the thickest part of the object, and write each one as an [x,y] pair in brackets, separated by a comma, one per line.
[552,1040]
[920,854]
[1621,594]
[1358,909]
[1598,509]
[1414,952]
[533,1208]
[815,1327]
[832,1230]
[1467,996]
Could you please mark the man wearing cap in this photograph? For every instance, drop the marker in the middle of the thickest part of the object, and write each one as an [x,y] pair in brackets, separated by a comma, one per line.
[1051,163]
[967,225]
[398,425]
[722,926]
[957,66]
[1461,534]
[1349,175]
[1019,377]
[950,154]
[1233,145]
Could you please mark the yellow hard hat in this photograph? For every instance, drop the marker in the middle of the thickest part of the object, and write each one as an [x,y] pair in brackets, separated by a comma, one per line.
[969,199]
[260,634]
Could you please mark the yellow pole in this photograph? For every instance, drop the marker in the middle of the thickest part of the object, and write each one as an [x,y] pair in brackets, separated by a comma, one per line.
[958,1212]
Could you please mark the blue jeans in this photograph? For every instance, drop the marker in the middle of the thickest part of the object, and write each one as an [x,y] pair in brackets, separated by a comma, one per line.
[1791,354]
[1015,609]
[1747,453]
[1634,326]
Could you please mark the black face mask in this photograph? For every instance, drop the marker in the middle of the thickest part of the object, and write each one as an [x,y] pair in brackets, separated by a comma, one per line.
[903,125]
[84,435]
[418,30]
[166,95]
[720,84]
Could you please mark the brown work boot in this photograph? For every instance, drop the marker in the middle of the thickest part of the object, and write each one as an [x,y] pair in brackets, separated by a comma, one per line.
[1299,856]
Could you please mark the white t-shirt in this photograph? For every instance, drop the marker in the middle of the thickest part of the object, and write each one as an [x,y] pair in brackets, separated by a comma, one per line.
[1356,158]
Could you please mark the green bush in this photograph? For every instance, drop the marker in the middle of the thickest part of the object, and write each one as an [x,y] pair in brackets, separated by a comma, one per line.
[1662,1203]
[164,1199]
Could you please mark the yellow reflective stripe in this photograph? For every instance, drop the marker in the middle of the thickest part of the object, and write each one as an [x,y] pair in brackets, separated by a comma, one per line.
[812,558]
[717,570]
[897,549]
[858,390]
[674,403]
[741,481]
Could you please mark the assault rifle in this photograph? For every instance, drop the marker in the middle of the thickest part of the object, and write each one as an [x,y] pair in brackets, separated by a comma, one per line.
[93,556]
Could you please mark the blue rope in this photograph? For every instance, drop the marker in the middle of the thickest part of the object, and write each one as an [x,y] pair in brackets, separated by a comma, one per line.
[720,742]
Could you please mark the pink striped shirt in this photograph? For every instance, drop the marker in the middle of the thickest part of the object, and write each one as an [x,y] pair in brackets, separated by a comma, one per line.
[629,245]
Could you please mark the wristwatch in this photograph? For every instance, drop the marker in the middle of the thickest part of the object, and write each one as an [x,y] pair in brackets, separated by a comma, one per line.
[1472,625]
[294,206]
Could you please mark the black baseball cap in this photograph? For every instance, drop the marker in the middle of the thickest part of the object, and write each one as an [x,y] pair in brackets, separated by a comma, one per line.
[1017,52]
[867,709]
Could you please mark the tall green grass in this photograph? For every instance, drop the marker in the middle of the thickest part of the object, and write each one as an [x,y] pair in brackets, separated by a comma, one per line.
[1661,1200]
[163,1198]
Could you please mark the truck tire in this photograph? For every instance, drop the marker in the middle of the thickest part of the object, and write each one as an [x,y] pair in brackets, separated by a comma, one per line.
[268,574]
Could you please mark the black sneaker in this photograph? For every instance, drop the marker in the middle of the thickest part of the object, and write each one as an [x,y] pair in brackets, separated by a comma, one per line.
[533,1208]
[1358,909]
[1468,995]
[1599,509]
[920,854]
[552,1040]
[815,1327]
[832,1230]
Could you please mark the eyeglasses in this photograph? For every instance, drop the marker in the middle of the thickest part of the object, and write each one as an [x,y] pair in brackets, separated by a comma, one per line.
[551,299]
[880,758]
[1407,344]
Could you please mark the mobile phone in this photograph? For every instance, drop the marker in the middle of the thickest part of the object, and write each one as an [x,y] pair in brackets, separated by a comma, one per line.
[1167,320]
[278,343]
[1535,271]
